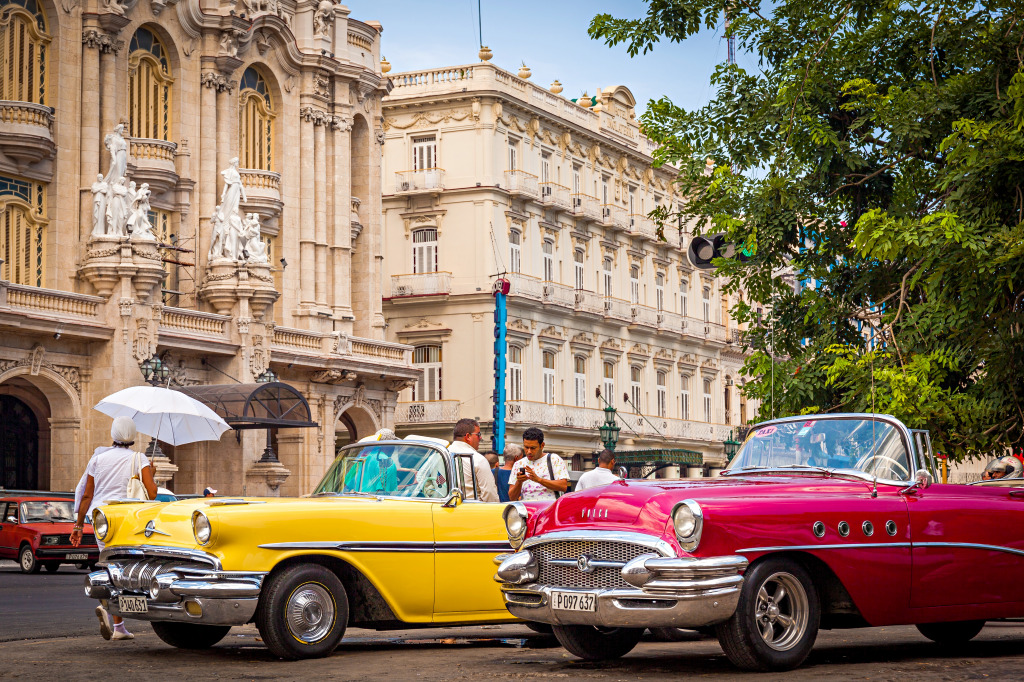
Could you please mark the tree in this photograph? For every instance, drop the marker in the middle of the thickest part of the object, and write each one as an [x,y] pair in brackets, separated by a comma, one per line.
[876,150]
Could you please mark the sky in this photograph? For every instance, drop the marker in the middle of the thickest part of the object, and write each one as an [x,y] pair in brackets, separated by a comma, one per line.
[550,36]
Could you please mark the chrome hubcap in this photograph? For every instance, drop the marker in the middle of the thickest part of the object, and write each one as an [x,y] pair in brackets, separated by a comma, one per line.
[781,611]
[310,613]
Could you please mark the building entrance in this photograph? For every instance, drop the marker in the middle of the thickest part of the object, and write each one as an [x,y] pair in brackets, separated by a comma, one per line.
[19,445]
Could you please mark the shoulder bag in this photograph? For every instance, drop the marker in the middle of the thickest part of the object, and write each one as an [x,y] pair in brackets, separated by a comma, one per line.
[551,473]
[136,490]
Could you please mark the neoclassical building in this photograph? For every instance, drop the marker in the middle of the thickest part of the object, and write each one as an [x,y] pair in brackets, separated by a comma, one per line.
[271,106]
[487,174]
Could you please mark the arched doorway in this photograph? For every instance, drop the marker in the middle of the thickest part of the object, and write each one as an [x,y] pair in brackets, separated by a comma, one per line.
[19,445]
[353,423]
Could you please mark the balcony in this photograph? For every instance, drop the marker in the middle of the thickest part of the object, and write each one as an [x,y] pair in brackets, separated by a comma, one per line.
[428,412]
[614,216]
[49,311]
[379,352]
[671,322]
[192,329]
[152,161]
[426,180]
[642,226]
[422,284]
[26,131]
[525,286]
[559,294]
[585,206]
[714,332]
[521,183]
[554,195]
[617,309]
[534,414]
[644,316]
[589,302]
[263,191]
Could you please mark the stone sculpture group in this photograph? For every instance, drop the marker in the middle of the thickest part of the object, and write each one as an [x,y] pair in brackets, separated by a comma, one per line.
[236,235]
[120,209]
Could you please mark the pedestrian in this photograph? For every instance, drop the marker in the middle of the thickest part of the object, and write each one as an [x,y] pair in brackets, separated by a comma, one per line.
[467,438]
[527,484]
[209,492]
[107,476]
[602,475]
[492,459]
[513,453]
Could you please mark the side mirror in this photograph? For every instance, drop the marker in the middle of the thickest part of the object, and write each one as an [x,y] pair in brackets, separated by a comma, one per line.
[454,500]
[622,472]
[922,480]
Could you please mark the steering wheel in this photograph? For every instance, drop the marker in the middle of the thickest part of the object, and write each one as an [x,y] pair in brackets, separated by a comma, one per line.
[895,466]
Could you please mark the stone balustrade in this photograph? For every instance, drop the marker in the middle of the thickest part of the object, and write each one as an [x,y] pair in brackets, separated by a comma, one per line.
[380,350]
[26,113]
[194,322]
[26,131]
[644,315]
[151,149]
[618,309]
[559,294]
[589,302]
[253,178]
[302,340]
[37,299]
[428,411]
[421,284]
[152,161]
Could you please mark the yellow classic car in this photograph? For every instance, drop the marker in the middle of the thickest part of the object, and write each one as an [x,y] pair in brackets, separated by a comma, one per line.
[391,537]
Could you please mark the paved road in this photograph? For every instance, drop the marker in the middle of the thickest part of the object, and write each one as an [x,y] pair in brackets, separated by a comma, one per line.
[45,621]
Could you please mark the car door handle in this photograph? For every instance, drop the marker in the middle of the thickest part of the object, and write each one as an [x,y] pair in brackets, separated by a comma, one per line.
[1017,492]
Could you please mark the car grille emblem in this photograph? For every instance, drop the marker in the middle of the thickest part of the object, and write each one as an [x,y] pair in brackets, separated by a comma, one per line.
[150,529]
[584,563]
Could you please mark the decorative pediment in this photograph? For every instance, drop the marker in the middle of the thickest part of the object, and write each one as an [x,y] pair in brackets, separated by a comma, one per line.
[553,332]
[639,353]
[611,350]
[425,330]
[583,343]
[686,360]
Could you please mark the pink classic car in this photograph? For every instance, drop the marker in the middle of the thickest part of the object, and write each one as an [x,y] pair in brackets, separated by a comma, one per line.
[818,522]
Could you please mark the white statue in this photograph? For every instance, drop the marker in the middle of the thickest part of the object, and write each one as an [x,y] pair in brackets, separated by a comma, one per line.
[117,208]
[141,227]
[233,237]
[233,191]
[113,6]
[255,247]
[323,17]
[118,148]
[217,238]
[100,193]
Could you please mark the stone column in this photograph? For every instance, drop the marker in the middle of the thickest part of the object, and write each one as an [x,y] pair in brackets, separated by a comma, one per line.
[341,249]
[90,133]
[307,208]
[108,88]
[374,221]
[226,115]
[320,182]
[208,170]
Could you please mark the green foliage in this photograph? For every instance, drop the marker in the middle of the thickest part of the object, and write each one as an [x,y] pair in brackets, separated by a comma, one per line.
[877,149]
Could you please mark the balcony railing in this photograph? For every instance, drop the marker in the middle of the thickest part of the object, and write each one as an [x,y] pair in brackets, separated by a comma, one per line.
[584,206]
[642,315]
[614,216]
[302,340]
[426,180]
[521,182]
[153,149]
[714,332]
[26,131]
[617,309]
[589,302]
[525,286]
[392,353]
[559,294]
[428,411]
[526,412]
[671,322]
[421,284]
[554,195]
[253,178]
[642,226]
[58,303]
[193,322]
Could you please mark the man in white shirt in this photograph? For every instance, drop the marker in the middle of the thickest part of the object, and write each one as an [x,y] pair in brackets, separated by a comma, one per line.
[540,475]
[467,439]
[602,475]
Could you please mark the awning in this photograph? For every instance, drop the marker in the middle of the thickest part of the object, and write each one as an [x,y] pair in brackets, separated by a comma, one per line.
[658,456]
[255,406]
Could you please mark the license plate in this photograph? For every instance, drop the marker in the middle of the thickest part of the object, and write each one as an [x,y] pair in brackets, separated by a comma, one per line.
[76,557]
[132,605]
[573,601]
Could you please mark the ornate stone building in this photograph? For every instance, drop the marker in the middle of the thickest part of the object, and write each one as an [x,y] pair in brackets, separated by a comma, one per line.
[488,174]
[292,90]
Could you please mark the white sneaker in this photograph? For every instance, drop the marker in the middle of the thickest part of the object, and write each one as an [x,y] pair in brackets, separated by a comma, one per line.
[106,622]
[122,634]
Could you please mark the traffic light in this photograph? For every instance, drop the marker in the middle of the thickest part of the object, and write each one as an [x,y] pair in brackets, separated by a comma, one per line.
[705,249]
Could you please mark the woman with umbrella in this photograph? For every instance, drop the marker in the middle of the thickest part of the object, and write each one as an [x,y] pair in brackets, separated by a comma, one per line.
[107,477]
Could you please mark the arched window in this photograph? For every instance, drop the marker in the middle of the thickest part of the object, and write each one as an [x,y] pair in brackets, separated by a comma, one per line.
[427,358]
[515,372]
[662,394]
[608,390]
[548,370]
[424,250]
[22,231]
[515,251]
[24,46]
[149,87]
[635,377]
[579,380]
[256,123]
[707,400]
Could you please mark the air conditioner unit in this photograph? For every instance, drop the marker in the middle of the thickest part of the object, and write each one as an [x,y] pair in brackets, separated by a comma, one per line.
[547,191]
[577,202]
[606,212]
[403,290]
[406,186]
[607,306]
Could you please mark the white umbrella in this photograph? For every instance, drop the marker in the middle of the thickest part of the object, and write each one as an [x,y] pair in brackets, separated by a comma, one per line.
[166,415]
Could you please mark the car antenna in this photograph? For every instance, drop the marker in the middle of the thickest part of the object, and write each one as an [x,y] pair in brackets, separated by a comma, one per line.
[874,486]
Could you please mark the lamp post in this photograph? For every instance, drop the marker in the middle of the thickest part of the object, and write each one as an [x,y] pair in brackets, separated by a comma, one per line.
[155,372]
[731,446]
[266,377]
[609,430]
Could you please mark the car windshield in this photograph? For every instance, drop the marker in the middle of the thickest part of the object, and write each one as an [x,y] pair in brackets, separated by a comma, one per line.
[395,469]
[50,510]
[870,446]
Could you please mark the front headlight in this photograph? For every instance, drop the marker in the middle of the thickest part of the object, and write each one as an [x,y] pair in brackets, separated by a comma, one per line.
[688,522]
[516,514]
[201,527]
[100,527]
[51,539]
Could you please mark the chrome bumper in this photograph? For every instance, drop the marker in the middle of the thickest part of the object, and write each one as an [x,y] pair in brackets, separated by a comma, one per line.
[663,592]
[184,586]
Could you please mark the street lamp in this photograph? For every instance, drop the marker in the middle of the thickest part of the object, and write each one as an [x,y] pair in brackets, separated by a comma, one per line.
[154,371]
[609,430]
[266,377]
[731,446]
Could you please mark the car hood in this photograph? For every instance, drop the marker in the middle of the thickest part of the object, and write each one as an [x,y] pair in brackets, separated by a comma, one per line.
[54,528]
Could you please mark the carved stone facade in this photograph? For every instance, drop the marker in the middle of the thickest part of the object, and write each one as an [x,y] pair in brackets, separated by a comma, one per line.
[120,272]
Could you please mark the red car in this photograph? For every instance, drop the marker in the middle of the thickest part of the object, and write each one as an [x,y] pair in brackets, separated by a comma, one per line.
[818,522]
[36,532]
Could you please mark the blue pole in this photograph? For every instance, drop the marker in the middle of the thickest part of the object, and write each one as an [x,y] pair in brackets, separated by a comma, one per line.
[500,365]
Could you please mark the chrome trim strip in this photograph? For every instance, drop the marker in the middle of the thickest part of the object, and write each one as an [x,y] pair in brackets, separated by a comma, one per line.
[153,551]
[851,545]
[408,547]
[643,539]
[596,563]
[971,545]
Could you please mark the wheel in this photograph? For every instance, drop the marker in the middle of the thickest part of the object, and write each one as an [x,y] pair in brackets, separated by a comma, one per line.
[189,635]
[776,619]
[303,612]
[597,644]
[27,560]
[956,632]
[540,628]
[51,566]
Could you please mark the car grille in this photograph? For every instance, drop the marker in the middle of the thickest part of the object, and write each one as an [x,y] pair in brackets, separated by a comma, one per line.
[88,539]
[135,576]
[570,576]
